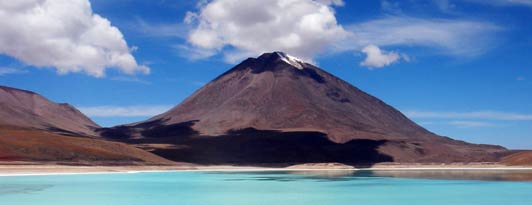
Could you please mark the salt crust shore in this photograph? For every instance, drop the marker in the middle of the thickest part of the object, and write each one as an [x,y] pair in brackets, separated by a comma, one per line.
[52,169]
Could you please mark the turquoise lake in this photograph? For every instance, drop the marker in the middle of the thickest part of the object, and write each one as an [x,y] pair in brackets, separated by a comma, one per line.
[272,188]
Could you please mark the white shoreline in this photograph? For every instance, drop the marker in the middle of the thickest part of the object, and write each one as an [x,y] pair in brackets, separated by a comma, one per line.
[270,169]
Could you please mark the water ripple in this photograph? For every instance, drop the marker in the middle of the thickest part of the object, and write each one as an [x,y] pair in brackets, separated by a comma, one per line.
[8,189]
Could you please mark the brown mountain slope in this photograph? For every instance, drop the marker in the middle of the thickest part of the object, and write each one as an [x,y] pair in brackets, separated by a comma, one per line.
[523,158]
[27,109]
[277,109]
[18,144]
[268,93]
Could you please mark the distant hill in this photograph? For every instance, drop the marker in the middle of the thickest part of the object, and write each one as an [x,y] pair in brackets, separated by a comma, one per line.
[26,109]
[522,158]
[35,129]
[279,109]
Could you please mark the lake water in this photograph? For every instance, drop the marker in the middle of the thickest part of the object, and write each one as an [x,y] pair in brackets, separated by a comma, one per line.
[273,188]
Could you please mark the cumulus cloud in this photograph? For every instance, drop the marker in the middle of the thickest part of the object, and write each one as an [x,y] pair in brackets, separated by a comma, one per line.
[377,58]
[65,35]
[302,28]
[485,115]
[306,28]
[126,111]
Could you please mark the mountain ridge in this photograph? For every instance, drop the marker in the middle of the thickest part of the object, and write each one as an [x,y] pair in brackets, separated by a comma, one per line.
[23,108]
[268,99]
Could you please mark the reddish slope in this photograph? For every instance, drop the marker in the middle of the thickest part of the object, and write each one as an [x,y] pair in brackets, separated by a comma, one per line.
[523,158]
[39,146]
[27,109]
[35,129]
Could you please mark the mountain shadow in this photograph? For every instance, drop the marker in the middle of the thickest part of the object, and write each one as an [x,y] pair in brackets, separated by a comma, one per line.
[274,148]
[151,129]
[252,147]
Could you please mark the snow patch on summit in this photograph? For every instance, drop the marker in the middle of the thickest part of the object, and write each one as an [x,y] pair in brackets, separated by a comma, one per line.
[296,62]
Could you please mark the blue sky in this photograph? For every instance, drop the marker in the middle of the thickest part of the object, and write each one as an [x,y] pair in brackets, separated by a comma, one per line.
[459,68]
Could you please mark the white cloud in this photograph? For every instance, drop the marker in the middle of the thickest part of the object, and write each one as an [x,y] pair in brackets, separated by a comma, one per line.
[302,28]
[406,57]
[9,71]
[485,115]
[451,37]
[199,83]
[392,7]
[179,30]
[460,123]
[127,111]
[130,79]
[504,2]
[64,34]
[332,2]
[426,123]
[471,124]
[194,53]
[306,28]
[521,78]
[444,5]
[377,58]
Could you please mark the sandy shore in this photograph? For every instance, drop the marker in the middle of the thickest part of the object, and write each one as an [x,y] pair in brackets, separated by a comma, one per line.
[19,169]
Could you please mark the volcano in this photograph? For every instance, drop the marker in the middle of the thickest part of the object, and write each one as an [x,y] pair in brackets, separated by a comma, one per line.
[279,109]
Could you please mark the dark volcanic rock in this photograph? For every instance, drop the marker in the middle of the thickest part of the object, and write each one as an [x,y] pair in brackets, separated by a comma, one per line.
[299,102]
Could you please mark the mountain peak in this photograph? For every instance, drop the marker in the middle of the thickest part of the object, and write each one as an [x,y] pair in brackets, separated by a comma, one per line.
[293,61]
